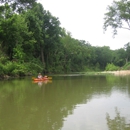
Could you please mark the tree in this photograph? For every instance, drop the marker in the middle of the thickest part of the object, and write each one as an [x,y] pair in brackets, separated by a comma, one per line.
[127,49]
[13,31]
[103,56]
[52,35]
[119,57]
[118,16]
[35,20]
[19,5]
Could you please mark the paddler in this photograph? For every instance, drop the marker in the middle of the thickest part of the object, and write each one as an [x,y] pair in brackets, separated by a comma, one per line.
[40,76]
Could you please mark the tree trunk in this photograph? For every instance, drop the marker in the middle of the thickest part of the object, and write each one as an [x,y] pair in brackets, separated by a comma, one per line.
[126,60]
[42,57]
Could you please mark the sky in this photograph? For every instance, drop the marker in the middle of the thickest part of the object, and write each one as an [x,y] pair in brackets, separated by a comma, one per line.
[84,19]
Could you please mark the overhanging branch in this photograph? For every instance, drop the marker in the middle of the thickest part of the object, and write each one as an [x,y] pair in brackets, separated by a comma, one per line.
[125,28]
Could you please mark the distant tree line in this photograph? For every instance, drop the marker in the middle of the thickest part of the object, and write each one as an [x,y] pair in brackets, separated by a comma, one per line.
[32,41]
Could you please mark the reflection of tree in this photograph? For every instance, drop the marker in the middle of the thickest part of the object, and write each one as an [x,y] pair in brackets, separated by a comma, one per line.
[118,123]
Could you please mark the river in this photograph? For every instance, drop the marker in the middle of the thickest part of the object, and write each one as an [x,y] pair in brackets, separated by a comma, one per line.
[67,102]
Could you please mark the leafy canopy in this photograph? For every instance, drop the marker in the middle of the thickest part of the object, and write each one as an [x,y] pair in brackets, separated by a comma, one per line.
[19,5]
[118,16]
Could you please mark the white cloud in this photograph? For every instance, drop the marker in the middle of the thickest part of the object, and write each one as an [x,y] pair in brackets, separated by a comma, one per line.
[84,19]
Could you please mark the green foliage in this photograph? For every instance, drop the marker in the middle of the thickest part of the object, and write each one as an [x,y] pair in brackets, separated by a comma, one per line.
[111,67]
[20,69]
[13,31]
[119,57]
[126,66]
[2,70]
[103,55]
[15,69]
[3,57]
[127,49]
[18,53]
[19,5]
[118,14]
[34,68]
[10,67]
[35,22]
[33,42]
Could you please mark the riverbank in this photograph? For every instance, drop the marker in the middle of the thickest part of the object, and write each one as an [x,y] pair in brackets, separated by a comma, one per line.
[118,73]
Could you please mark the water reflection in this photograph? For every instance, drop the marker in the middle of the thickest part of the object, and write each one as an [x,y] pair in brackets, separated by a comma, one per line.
[118,122]
[67,103]
[41,83]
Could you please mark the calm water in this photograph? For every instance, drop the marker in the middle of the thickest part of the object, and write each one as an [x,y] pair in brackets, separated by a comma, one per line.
[66,103]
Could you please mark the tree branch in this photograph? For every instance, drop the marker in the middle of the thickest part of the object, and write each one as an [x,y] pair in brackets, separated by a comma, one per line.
[125,28]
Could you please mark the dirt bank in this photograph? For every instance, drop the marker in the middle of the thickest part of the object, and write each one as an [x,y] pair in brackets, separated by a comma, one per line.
[119,73]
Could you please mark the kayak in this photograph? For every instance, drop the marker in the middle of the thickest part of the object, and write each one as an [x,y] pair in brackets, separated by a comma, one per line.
[42,79]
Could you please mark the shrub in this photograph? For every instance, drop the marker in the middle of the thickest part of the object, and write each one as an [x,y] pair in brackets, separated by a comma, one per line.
[15,69]
[111,67]
[9,67]
[1,69]
[127,66]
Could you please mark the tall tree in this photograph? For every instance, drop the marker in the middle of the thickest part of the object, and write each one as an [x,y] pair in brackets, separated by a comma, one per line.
[118,16]
[13,30]
[52,34]
[35,20]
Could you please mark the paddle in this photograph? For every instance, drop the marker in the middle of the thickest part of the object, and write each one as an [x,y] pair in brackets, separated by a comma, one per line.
[49,77]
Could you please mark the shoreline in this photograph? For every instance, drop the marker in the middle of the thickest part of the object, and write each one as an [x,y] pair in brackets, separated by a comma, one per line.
[118,73]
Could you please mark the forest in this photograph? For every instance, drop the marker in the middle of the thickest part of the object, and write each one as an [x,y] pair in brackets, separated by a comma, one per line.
[32,41]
